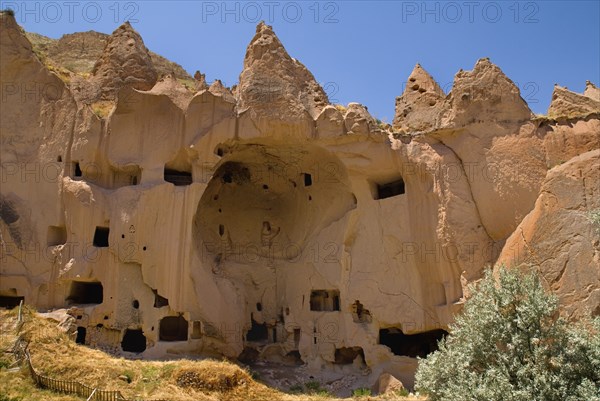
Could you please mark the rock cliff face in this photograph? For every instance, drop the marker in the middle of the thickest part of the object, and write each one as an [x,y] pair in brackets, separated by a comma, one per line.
[266,223]
[78,52]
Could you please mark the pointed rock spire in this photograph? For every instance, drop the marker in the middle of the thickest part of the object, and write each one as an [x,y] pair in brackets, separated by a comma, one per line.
[566,103]
[200,81]
[14,43]
[276,87]
[125,61]
[483,94]
[591,91]
[420,104]
[218,89]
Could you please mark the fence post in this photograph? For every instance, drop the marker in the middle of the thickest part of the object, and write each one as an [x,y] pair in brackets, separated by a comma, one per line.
[20,312]
[92,395]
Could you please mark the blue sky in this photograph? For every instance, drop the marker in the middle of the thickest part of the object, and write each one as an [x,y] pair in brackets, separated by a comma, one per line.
[359,51]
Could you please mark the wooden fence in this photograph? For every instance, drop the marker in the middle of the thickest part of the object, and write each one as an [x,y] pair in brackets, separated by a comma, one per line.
[62,386]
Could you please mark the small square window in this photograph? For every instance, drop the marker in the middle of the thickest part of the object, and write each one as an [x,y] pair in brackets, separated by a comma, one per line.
[101,237]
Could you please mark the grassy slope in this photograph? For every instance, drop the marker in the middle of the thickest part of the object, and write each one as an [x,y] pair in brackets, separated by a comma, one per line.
[55,355]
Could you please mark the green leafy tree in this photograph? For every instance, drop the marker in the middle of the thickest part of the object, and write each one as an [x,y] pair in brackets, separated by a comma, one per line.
[509,344]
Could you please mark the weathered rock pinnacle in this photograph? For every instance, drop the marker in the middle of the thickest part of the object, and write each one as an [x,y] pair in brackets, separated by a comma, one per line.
[566,103]
[484,94]
[275,86]
[420,104]
[125,61]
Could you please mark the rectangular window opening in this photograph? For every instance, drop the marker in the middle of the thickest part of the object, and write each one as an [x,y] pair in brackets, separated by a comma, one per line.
[173,328]
[101,237]
[390,189]
[307,179]
[178,178]
[325,300]
[196,330]
[85,292]
[57,235]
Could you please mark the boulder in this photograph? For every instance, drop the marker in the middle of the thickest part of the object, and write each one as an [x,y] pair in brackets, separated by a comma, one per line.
[387,384]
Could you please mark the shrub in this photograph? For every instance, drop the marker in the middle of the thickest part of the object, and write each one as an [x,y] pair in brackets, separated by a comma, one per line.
[314,388]
[361,392]
[510,345]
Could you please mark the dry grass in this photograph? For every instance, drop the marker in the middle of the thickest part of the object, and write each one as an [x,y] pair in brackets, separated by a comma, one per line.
[189,84]
[55,355]
[341,108]
[102,107]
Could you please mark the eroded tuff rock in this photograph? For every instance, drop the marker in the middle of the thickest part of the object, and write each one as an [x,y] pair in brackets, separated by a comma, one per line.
[483,94]
[278,88]
[217,89]
[592,91]
[560,238]
[78,52]
[179,94]
[418,109]
[125,61]
[566,103]
[261,221]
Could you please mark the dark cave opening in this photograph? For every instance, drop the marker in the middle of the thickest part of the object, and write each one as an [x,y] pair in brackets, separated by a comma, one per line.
[413,345]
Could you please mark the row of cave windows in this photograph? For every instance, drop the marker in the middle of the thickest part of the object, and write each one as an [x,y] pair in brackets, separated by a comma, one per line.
[92,292]
[171,328]
[57,235]
[175,328]
[183,178]
[175,177]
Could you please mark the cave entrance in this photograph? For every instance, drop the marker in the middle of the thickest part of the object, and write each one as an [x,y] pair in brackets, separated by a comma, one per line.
[325,300]
[77,173]
[84,292]
[178,178]
[173,328]
[261,184]
[414,345]
[126,176]
[81,333]
[258,332]
[159,301]
[10,301]
[347,355]
[134,341]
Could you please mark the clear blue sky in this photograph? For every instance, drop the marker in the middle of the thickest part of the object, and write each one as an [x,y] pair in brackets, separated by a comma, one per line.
[358,50]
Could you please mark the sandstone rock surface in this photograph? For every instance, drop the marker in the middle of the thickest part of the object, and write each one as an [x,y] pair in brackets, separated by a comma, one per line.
[260,222]
[570,104]
[560,238]
[387,384]
[78,53]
